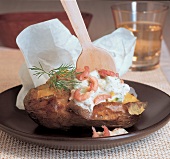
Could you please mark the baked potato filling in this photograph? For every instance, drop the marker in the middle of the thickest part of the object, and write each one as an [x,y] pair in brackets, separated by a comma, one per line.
[100,86]
[82,98]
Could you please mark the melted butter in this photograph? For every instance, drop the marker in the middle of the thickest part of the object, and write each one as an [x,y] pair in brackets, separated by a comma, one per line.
[44,92]
[129,98]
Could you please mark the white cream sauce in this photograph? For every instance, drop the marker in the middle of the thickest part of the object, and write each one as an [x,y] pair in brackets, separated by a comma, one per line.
[109,85]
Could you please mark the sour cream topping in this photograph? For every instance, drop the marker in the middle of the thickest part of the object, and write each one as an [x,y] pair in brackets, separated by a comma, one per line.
[109,85]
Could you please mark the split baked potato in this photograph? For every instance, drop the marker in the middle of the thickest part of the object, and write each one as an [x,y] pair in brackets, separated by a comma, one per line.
[53,108]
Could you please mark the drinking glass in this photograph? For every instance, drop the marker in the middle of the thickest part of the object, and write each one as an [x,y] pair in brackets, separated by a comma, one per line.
[146,21]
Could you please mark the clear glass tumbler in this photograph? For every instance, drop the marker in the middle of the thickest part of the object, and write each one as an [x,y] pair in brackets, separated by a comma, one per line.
[146,21]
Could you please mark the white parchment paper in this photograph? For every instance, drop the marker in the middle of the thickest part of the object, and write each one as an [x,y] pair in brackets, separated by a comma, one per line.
[51,44]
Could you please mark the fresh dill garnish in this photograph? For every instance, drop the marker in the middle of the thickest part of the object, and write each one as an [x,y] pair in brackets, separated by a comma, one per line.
[63,77]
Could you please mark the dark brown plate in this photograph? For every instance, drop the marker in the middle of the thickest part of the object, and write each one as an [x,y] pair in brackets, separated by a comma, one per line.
[17,123]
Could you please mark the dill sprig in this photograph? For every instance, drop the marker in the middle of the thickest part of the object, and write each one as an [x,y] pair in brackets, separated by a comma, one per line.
[63,77]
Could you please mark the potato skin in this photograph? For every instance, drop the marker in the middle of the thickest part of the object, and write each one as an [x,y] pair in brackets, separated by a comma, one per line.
[49,111]
[111,114]
[52,109]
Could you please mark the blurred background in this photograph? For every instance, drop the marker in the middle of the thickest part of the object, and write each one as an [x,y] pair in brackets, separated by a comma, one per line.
[101,23]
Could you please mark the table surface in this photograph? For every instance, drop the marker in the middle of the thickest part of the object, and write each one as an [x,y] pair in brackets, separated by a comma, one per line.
[156,145]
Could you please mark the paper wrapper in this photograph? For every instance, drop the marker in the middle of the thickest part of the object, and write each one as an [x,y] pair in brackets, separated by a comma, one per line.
[51,44]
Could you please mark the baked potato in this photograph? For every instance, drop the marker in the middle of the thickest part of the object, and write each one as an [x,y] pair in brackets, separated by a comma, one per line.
[57,108]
